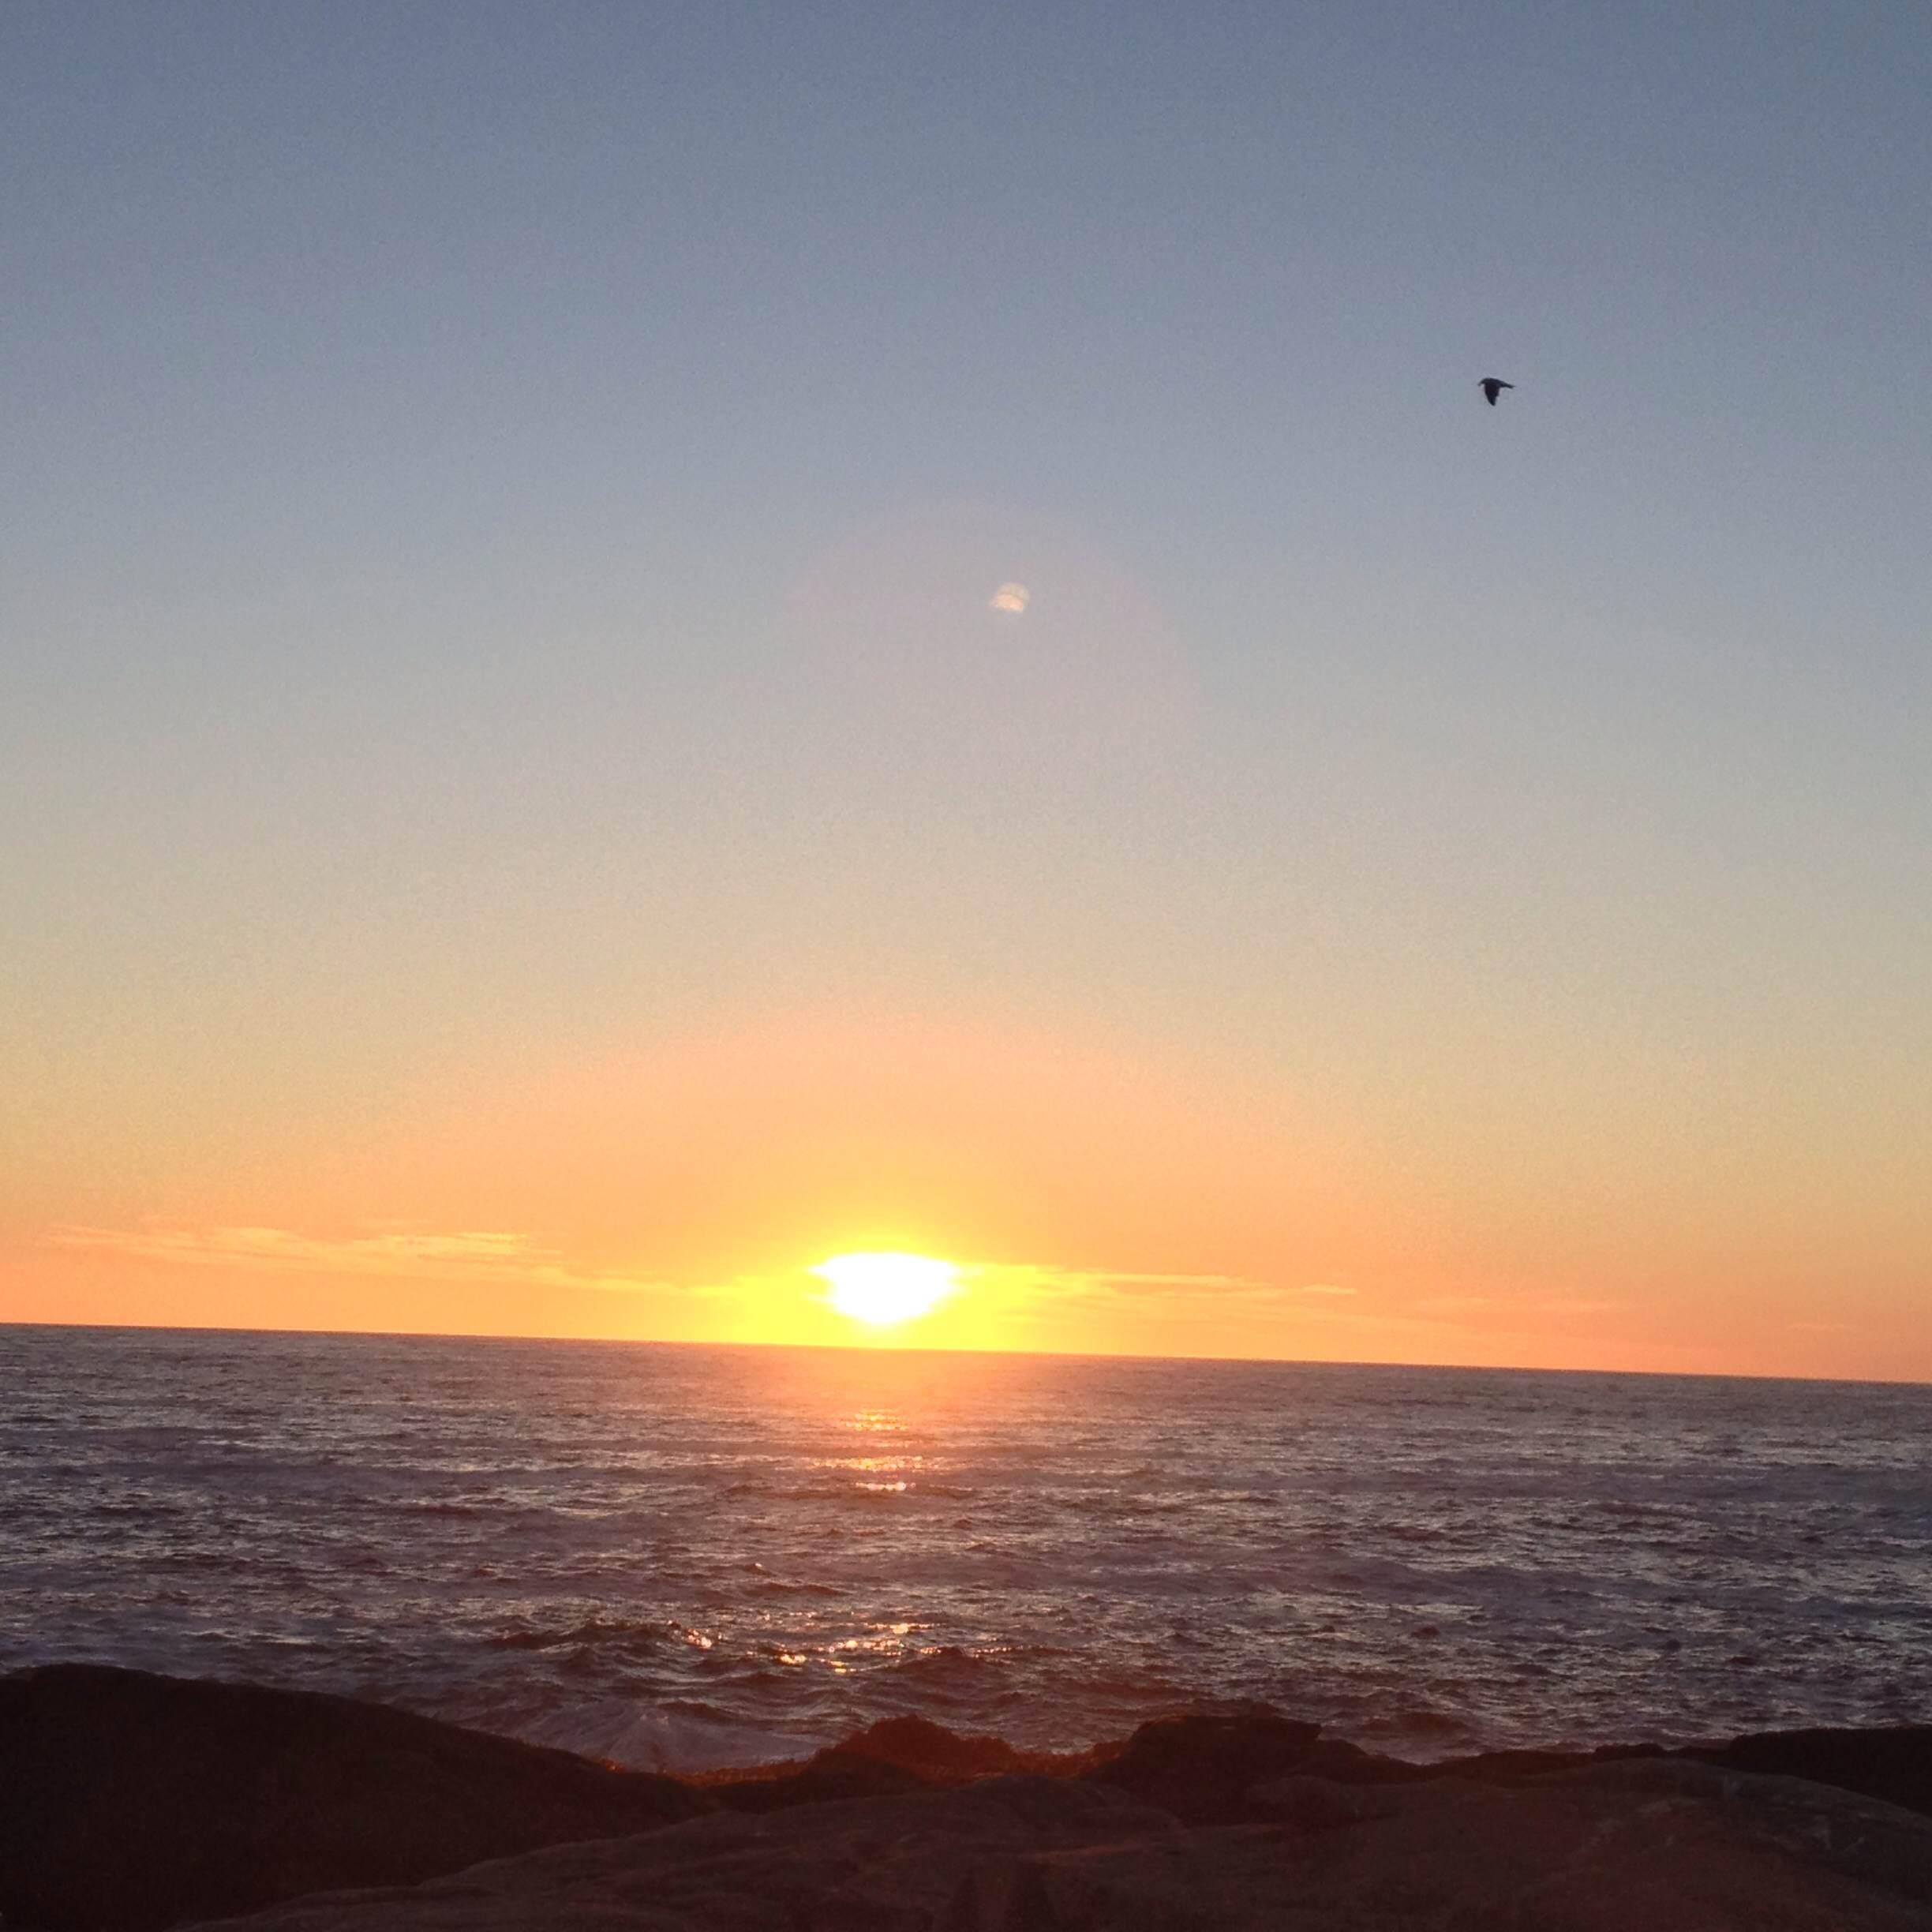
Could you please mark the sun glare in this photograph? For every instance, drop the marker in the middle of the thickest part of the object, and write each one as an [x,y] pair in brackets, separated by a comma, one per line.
[883,1288]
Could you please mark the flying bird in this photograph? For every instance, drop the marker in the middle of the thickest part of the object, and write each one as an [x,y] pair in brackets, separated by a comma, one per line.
[1489,385]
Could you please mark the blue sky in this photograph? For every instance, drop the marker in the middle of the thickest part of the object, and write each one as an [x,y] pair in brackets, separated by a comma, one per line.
[503,499]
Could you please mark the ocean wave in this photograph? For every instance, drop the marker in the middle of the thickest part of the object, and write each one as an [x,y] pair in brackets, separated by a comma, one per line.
[608,1633]
[555,1533]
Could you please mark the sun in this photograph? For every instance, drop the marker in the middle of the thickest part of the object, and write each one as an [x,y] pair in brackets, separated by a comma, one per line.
[884,1288]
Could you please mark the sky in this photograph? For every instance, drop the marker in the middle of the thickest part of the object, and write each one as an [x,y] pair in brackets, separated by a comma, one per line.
[642,644]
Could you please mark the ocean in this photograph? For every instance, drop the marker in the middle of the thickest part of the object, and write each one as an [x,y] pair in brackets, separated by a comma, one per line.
[686,1557]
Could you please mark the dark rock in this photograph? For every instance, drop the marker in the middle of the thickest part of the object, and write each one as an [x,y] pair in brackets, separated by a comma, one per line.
[1321,1804]
[1515,1767]
[1203,1767]
[1893,1761]
[896,1755]
[1630,1846]
[129,1801]
[878,1864]
[1890,1762]
[917,1744]
[832,1775]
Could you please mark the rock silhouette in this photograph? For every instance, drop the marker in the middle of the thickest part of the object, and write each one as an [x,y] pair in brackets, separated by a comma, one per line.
[130,1802]
[1665,1845]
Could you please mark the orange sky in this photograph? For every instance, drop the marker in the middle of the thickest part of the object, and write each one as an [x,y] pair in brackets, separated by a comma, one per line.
[1098,1200]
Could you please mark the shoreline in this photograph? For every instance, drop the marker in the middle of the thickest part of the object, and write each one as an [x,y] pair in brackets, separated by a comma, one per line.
[135,1803]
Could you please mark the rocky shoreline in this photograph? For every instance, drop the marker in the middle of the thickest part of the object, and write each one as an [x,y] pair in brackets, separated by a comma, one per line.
[131,1803]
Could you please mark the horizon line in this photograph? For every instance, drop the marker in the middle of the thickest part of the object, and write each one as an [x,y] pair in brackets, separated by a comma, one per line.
[877,1349]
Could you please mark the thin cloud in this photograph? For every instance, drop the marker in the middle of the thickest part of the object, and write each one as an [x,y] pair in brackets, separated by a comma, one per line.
[464,1254]
[1045,1277]
[1049,1279]
[511,1258]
